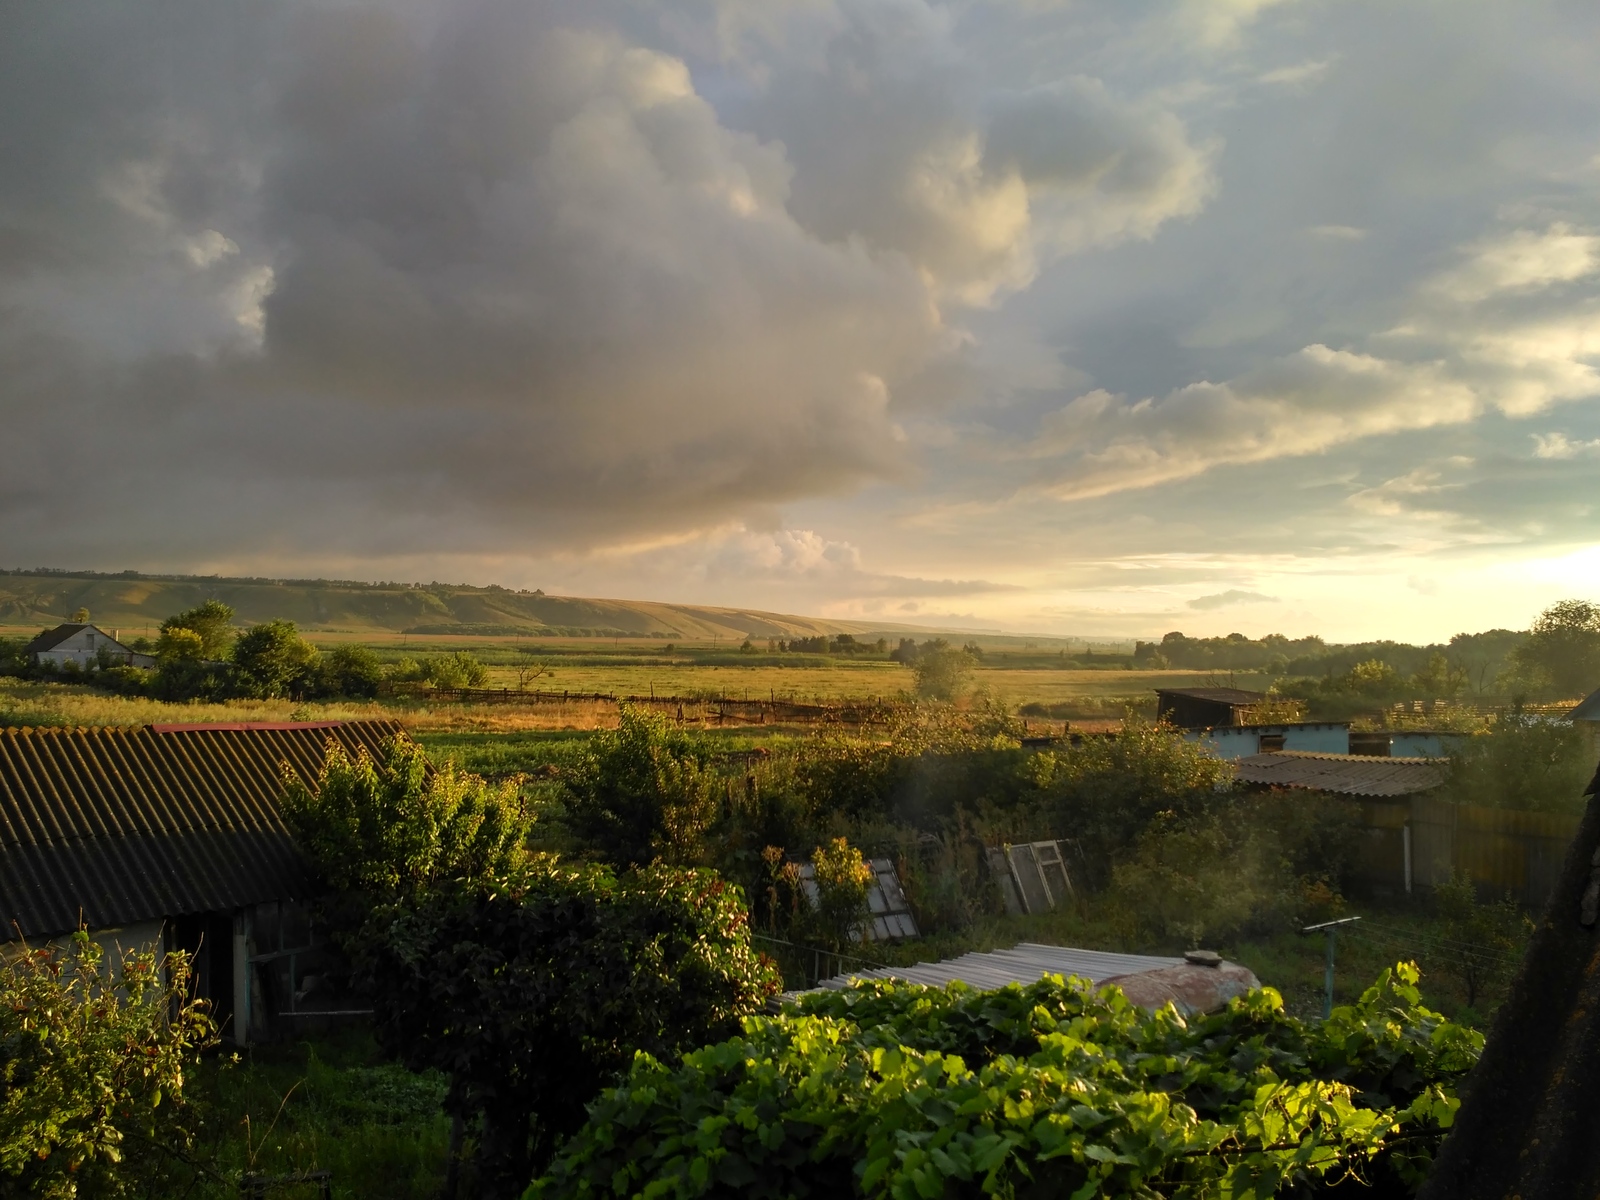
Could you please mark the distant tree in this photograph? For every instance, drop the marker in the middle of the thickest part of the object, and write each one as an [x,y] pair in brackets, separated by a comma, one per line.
[458,670]
[905,652]
[747,647]
[350,671]
[943,672]
[272,660]
[212,622]
[1440,677]
[1563,648]
[80,616]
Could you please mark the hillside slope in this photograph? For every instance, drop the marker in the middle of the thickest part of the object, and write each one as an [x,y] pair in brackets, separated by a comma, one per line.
[132,602]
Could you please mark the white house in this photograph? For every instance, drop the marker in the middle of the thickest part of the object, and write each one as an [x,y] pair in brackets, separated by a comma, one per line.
[84,645]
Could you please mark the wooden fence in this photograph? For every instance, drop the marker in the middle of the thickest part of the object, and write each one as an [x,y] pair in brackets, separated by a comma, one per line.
[1418,842]
[717,710]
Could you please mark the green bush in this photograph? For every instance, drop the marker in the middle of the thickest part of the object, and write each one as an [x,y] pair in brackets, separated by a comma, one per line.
[399,828]
[92,1068]
[272,660]
[643,791]
[533,995]
[1050,1090]
[1523,762]
[349,671]
[460,669]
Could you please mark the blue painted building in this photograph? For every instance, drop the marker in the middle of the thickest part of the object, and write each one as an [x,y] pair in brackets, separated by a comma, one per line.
[1241,741]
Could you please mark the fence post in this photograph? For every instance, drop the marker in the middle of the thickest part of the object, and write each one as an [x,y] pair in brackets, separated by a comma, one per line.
[1329,930]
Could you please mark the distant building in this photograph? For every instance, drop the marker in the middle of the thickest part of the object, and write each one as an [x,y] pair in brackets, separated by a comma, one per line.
[1237,741]
[171,836]
[1205,708]
[1587,718]
[85,646]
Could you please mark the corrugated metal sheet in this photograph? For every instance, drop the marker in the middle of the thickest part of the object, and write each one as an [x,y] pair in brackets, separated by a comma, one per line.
[1345,774]
[124,825]
[1024,963]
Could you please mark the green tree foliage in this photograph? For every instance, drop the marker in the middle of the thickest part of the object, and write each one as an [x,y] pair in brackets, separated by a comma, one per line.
[80,616]
[1563,649]
[891,1090]
[211,622]
[92,1070]
[1440,678]
[459,669]
[841,876]
[349,671]
[272,659]
[942,671]
[1523,762]
[179,645]
[643,791]
[399,827]
[1481,939]
[1105,792]
[534,994]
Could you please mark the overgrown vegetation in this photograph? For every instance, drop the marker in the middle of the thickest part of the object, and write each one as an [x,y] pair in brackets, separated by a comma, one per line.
[94,1060]
[1050,1090]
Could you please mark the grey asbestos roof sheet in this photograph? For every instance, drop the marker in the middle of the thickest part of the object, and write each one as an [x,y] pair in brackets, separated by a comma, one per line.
[1345,774]
[1588,708]
[1024,963]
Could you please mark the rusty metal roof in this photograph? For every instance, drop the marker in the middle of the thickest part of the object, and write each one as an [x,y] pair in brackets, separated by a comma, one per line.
[1346,774]
[129,824]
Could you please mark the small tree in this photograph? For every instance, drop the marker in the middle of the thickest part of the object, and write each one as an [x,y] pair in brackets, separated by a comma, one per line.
[179,644]
[211,622]
[350,671]
[842,876]
[643,791]
[80,616]
[942,671]
[457,670]
[535,994]
[1483,938]
[92,1070]
[399,828]
[272,660]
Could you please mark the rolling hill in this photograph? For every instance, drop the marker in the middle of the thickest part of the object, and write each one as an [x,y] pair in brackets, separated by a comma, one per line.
[132,601]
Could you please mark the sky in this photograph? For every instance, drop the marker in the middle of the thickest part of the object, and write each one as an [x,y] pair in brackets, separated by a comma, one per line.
[1076,317]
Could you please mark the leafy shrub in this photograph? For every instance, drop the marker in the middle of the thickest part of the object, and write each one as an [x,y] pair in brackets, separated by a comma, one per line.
[942,671]
[841,875]
[1522,762]
[272,660]
[399,827]
[209,624]
[92,1062]
[457,670]
[1480,939]
[349,671]
[1050,1090]
[535,994]
[643,791]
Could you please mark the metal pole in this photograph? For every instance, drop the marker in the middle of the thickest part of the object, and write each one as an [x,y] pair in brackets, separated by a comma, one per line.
[1329,929]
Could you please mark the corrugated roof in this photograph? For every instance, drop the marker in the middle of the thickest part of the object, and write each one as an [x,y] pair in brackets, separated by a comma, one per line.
[1346,774]
[1024,963]
[1221,695]
[131,824]
[1588,708]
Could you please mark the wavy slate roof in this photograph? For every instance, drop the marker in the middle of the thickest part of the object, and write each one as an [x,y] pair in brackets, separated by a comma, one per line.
[126,825]
[1345,774]
[1588,708]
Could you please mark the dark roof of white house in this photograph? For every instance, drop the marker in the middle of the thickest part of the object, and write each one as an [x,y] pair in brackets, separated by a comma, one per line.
[52,638]
[1588,708]
[1219,695]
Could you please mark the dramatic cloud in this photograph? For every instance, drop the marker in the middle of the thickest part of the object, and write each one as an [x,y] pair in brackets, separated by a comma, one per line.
[1051,313]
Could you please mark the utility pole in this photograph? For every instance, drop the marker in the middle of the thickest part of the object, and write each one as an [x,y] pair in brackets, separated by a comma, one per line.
[1330,931]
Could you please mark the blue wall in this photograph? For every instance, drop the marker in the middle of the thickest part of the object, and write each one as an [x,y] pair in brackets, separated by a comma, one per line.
[1239,741]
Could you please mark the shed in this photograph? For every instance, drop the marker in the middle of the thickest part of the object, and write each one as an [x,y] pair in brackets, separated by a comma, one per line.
[1343,774]
[1237,741]
[1586,716]
[168,833]
[84,646]
[1205,708]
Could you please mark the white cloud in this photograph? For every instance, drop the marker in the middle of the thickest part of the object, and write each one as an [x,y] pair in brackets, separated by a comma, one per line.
[1523,260]
[1560,446]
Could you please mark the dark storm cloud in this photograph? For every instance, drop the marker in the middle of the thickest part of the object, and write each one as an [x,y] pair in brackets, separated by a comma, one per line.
[494,276]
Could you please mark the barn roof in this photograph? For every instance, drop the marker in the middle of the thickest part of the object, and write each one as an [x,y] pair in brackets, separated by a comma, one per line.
[1345,774]
[127,824]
